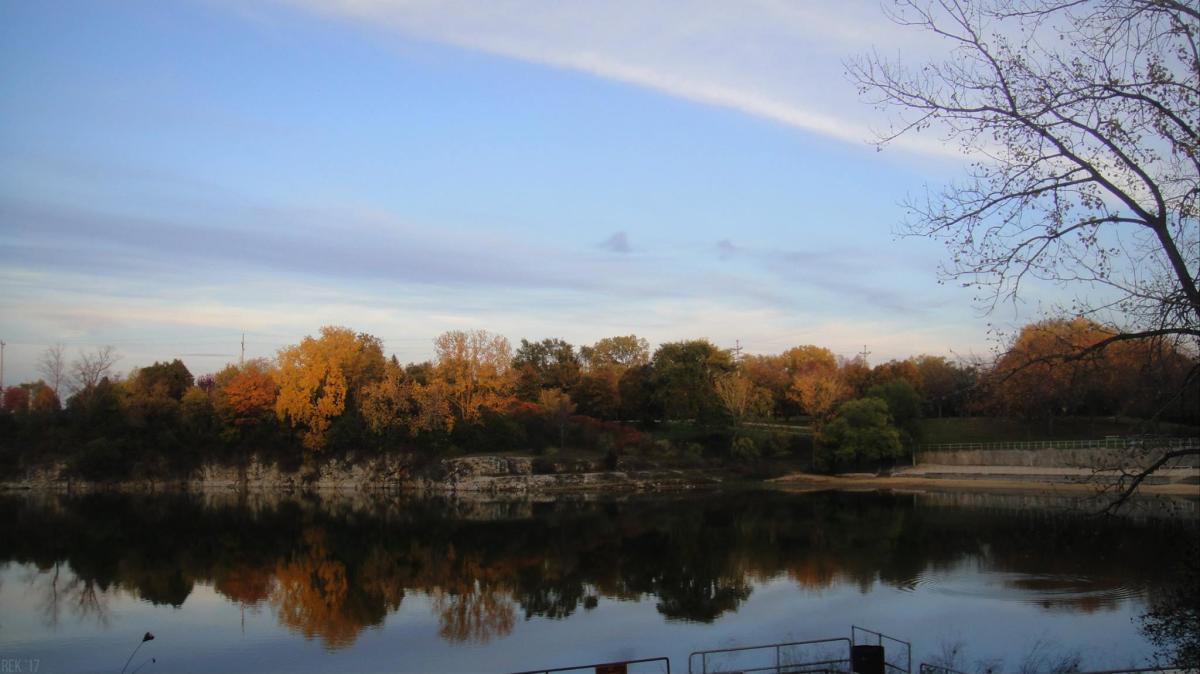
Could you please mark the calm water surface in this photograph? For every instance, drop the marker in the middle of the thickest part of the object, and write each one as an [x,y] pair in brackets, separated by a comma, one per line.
[402,585]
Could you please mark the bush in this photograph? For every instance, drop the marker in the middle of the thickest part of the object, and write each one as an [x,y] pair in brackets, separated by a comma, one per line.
[100,459]
[744,450]
[862,431]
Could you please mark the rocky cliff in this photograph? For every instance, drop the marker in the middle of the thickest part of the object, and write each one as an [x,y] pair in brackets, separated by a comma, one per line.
[471,474]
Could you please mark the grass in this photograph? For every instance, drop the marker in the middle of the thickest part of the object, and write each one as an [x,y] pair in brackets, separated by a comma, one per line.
[987,429]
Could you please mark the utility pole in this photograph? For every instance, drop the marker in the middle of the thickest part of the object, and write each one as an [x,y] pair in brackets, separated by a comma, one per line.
[864,354]
[737,351]
[242,358]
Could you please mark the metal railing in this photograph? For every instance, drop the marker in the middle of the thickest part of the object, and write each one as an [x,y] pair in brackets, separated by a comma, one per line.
[927,668]
[826,665]
[864,636]
[1106,443]
[599,667]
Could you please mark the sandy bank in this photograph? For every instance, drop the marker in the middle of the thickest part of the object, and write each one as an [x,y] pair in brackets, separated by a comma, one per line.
[1010,479]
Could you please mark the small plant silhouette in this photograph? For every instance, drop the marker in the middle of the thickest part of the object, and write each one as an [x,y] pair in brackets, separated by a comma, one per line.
[147,637]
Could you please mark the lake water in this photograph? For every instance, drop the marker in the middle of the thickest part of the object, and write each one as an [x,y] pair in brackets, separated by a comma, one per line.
[435,585]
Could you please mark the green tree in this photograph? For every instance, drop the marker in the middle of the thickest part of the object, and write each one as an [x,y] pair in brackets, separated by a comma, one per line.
[683,378]
[161,380]
[862,432]
[904,407]
[598,394]
[636,393]
[550,363]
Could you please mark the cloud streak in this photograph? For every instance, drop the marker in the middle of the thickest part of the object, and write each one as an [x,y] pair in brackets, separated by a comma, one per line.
[774,60]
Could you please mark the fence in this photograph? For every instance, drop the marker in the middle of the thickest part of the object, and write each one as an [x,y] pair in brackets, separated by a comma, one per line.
[824,656]
[1110,453]
[622,667]
[1106,443]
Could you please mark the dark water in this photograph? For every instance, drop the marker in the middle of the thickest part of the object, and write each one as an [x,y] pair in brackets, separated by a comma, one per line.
[270,584]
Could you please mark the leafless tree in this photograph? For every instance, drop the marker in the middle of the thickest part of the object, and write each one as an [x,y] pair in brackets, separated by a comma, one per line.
[1081,122]
[90,368]
[53,366]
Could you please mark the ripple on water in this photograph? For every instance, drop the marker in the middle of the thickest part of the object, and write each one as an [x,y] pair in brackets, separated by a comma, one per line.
[1053,591]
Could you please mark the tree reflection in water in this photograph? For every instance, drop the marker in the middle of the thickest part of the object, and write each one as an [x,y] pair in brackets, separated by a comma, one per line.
[329,570]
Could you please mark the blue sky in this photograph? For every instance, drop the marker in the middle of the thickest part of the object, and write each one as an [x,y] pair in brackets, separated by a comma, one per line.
[172,174]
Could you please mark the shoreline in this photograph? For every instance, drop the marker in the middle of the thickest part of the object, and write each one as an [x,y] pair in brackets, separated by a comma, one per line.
[613,482]
[813,482]
[519,475]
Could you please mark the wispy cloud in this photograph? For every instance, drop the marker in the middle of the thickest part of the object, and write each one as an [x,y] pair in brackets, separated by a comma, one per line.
[839,275]
[775,60]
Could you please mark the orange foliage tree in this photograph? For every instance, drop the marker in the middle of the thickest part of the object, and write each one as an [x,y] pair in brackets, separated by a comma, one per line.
[1034,379]
[249,395]
[817,384]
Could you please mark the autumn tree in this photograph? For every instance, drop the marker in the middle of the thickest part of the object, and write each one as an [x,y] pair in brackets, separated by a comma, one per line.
[1032,383]
[740,397]
[399,401]
[318,376]
[892,370]
[770,373]
[559,407]
[45,400]
[622,352]
[475,366]
[817,385]
[16,399]
[819,394]
[248,396]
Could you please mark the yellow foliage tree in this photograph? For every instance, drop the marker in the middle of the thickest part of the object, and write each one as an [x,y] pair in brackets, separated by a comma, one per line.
[819,393]
[739,396]
[317,376]
[475,367]
[399,401]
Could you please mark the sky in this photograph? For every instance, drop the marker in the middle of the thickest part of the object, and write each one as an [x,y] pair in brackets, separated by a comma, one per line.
[173,175]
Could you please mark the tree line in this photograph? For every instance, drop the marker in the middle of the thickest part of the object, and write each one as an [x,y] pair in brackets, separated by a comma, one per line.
[338,393]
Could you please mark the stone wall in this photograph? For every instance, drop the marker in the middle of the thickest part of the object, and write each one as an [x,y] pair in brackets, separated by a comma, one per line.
[472,474]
